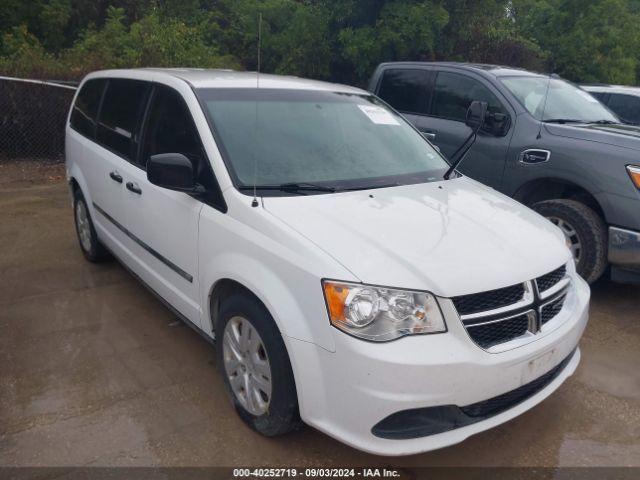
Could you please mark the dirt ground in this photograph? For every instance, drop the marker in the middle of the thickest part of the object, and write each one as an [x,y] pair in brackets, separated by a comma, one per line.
[95,371]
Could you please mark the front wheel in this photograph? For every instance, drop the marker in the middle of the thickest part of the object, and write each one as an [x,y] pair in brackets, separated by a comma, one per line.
[584,231]
[253,360]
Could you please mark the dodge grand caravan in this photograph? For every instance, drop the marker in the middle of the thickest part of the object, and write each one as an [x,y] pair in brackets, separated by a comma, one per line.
[548,144]
[308,230]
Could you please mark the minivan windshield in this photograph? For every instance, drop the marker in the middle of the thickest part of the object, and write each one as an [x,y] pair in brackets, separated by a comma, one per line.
[565,103]
[316,141]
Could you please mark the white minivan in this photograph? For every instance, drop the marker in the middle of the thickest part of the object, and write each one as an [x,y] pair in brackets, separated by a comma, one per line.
[307,229]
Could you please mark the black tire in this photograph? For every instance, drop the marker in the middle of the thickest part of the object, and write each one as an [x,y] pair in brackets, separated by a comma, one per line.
[590,230]
[282,414]
[95,251]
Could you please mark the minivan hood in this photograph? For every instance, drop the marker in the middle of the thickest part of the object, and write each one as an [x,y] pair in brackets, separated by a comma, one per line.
[627,136]
[450,237]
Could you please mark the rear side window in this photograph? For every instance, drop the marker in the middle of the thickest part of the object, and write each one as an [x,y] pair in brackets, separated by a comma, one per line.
[627,107]
[454,93]
[85,110]
[406,90]
[120,115]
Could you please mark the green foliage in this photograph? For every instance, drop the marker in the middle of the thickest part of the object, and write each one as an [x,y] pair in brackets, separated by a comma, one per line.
[402,31]
[340,40]
[586,41]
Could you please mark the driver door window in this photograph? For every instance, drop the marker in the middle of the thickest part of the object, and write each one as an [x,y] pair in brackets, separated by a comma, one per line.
[453,93]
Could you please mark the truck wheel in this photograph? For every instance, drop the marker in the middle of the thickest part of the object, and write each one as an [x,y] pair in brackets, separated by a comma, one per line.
[585,232]
[91,247]
[255,365]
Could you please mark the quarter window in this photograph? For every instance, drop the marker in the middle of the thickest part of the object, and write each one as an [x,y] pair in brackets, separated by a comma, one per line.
[405,90]
[454,93]
[85,109]
[120,115]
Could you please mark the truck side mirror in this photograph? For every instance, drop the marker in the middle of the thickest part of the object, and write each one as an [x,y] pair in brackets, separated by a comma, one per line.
[476,114]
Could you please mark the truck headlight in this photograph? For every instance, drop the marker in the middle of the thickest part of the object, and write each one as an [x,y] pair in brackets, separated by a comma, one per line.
[634,173]
[381,314]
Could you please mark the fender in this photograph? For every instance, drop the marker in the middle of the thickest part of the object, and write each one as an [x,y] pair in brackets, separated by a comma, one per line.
[286,308]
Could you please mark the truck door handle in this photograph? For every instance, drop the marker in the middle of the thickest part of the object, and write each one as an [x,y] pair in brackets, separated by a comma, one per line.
[431,136]
[115,176]
[133,187]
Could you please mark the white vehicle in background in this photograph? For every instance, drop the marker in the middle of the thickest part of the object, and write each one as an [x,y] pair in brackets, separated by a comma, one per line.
[621,100]
[357,290]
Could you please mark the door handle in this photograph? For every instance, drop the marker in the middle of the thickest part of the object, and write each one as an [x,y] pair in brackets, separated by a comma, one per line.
[115,176]
[431,136]
[133,187]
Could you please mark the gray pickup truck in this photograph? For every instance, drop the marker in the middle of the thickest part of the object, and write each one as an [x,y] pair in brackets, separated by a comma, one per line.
[546,143]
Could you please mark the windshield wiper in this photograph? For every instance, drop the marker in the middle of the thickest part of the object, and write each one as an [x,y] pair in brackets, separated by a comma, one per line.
[563,120]
[372,187]
[292,187]
[605,122]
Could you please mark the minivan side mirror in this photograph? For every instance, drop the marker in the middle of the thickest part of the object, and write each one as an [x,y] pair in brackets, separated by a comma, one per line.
[173,171]
[476,114]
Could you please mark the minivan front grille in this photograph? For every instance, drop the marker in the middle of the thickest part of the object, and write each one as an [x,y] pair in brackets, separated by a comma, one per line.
[551,309]
[549,280]
[519,311]
[493,333]
[489,300]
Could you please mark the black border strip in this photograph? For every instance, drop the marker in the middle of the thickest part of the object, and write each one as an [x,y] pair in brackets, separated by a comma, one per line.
[163,259]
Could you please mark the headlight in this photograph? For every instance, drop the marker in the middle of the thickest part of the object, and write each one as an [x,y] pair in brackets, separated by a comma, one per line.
[381,314]
[634,173]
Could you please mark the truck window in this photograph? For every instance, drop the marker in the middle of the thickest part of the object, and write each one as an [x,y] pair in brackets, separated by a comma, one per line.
[453,93]
[85,109]
[120,115]
[406,90]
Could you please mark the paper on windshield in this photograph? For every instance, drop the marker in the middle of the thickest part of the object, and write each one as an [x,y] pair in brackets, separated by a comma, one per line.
[378,115]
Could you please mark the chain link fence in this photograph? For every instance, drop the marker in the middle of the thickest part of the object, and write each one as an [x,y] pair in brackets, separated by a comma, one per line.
[32,118]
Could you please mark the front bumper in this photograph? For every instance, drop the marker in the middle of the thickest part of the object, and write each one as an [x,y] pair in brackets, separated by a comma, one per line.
[347,392]
[624,248]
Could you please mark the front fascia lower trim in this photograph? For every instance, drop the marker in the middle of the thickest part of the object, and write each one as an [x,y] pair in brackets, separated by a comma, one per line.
[163,259]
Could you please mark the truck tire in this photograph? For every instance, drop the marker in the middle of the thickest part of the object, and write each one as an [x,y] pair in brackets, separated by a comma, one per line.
[585,231]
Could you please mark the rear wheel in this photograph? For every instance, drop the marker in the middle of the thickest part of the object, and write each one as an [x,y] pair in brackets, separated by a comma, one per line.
[253,360]
[584,231]
[91,247]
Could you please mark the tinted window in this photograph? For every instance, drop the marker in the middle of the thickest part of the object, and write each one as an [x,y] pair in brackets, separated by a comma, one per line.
[170,129]
[627,107]
[405,90]
[454,93]
[120,115]
[602,96]
[85,110]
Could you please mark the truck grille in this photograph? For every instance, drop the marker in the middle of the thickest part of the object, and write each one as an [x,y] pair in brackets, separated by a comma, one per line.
[516,312]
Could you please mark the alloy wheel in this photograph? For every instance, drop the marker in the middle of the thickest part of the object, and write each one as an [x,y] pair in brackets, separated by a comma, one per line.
[247,365]
[571,236]
[84,227]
